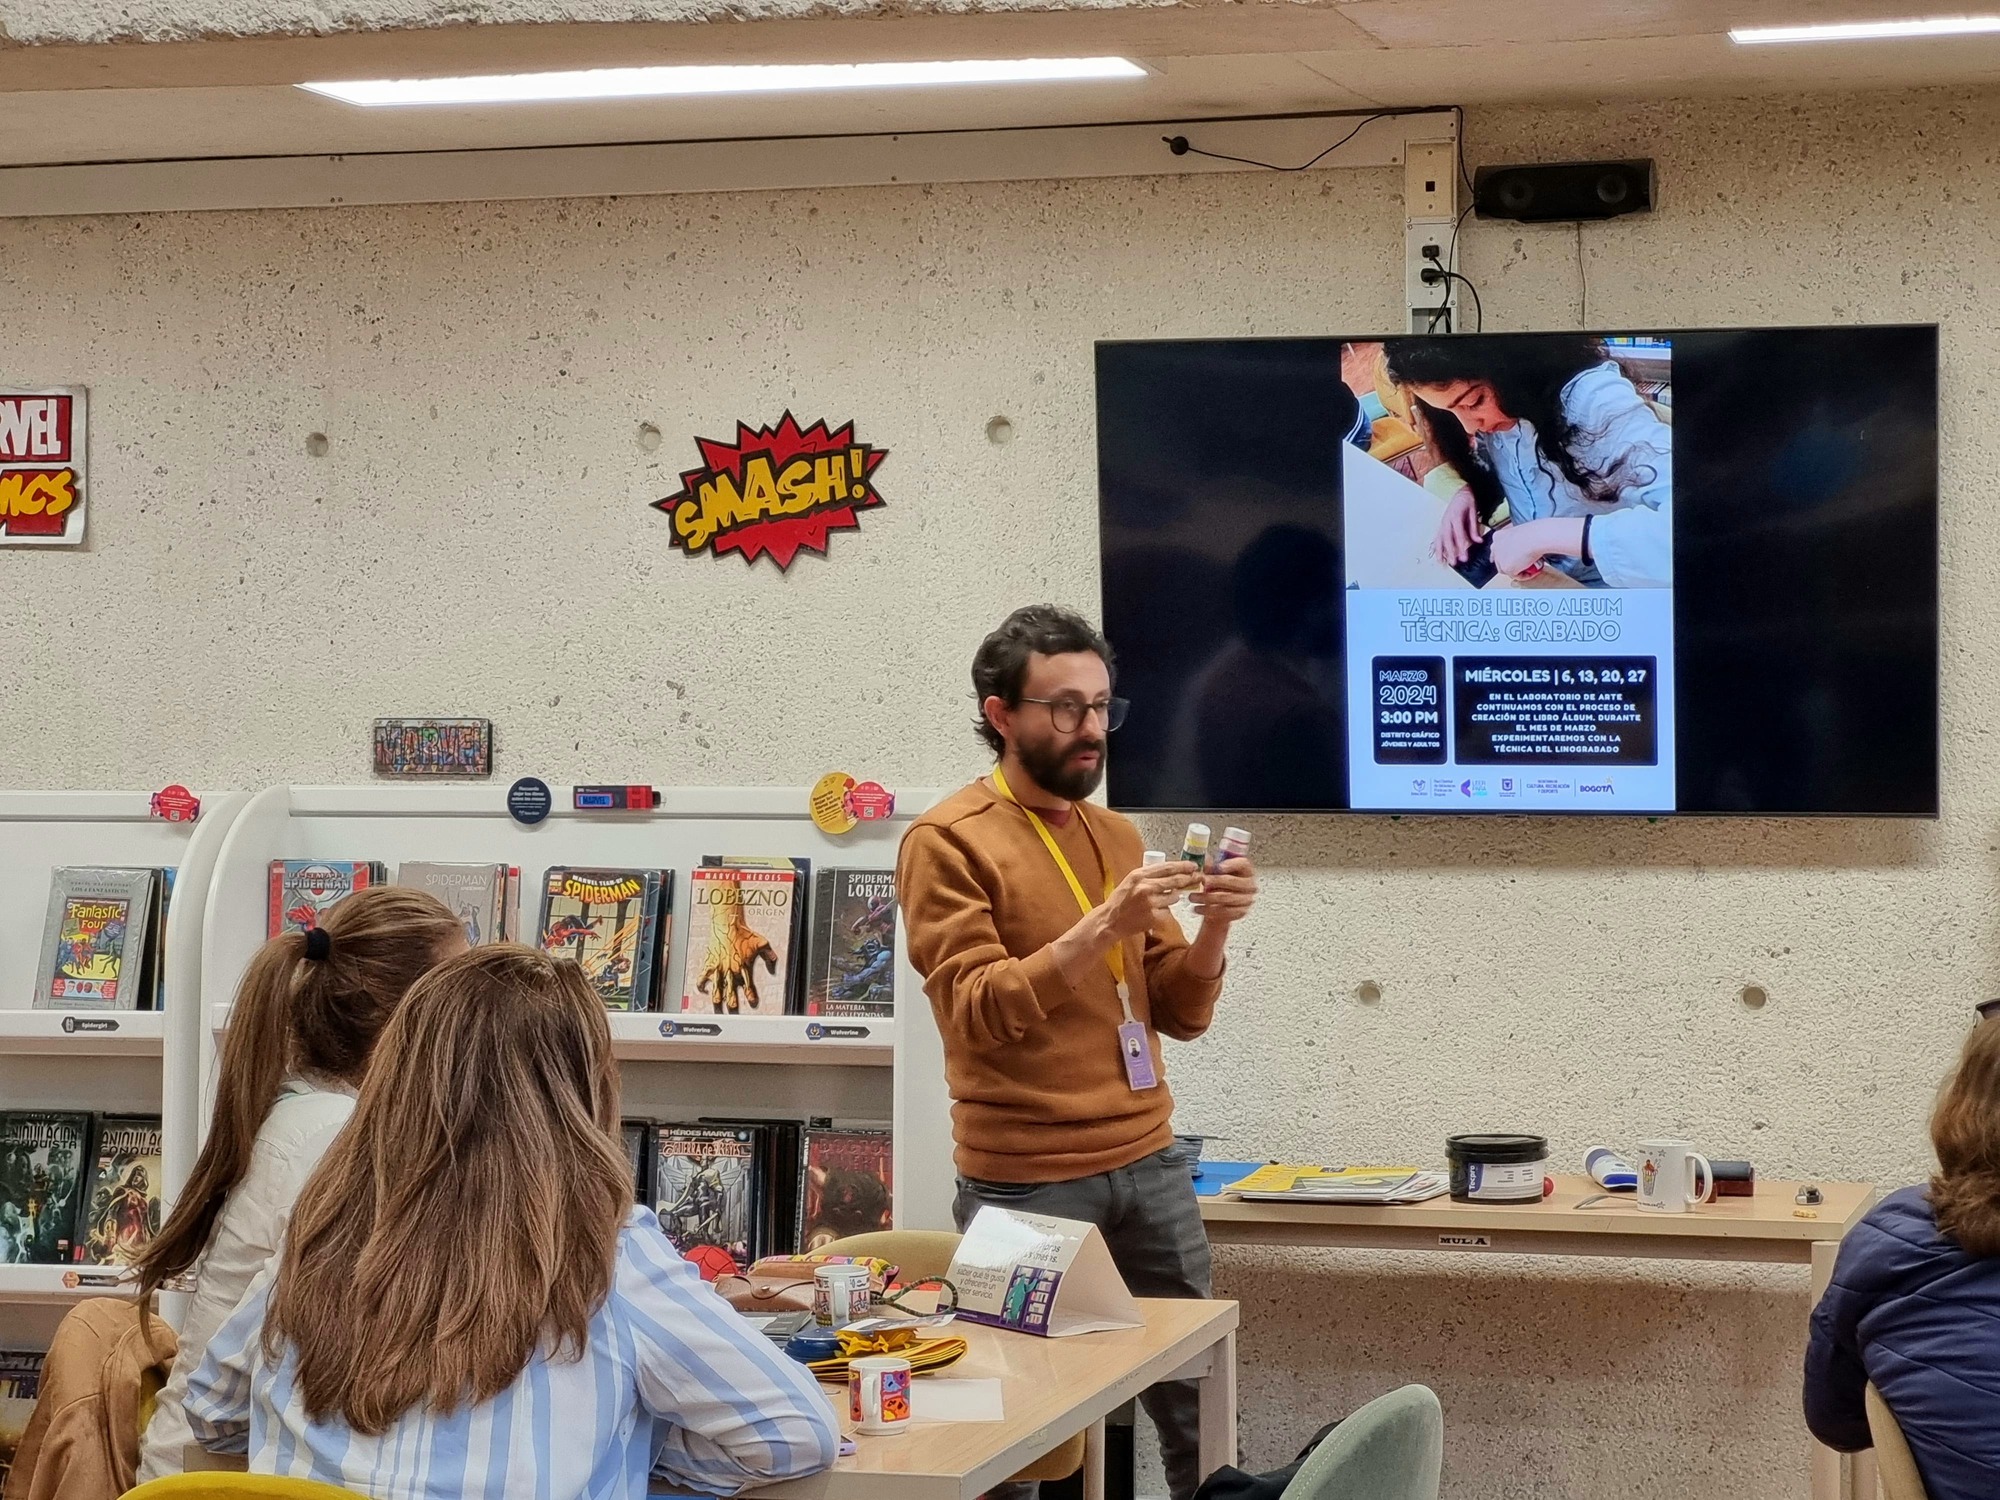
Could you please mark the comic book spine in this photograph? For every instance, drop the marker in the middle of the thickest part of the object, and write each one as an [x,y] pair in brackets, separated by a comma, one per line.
[821,953]
[644,954]
[274,922]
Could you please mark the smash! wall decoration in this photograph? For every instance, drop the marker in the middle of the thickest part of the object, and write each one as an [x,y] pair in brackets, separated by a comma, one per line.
[774,491]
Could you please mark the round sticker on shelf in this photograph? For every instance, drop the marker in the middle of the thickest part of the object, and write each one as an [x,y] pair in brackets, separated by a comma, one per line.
[870,802]
[830,812]
[176,804]
[528,800]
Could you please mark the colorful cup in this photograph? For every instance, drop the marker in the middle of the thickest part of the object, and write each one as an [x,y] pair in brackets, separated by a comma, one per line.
[878,1393]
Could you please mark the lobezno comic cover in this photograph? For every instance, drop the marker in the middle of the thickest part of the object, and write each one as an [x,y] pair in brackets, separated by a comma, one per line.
[41,1184]
[476,893]
[97,938]
[610,922]
[302,889]
[704,1187]
[854,944]
[741,940]
[846,1186]
[121,1213]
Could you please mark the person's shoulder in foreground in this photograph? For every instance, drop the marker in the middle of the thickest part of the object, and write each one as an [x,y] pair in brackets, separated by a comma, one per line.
[1910,1311]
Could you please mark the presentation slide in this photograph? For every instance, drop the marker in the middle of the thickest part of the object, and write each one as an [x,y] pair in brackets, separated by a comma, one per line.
[1510,623]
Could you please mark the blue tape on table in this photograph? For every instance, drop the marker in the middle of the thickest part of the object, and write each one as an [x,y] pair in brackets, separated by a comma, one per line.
[1217,1175]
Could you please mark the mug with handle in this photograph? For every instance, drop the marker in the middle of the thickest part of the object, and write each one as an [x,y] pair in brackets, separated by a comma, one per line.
[1673,1176]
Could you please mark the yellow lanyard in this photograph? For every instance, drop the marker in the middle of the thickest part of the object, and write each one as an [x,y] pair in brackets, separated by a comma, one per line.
[1116,957]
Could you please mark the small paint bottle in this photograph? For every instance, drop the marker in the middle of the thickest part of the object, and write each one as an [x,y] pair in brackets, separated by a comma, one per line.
[1152,857]
[1194,845]
[1234,844]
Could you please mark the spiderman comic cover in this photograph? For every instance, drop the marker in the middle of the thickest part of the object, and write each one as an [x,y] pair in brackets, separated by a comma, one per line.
[302,889]
[853,944]
[609,922]
[94,944]
[742,941]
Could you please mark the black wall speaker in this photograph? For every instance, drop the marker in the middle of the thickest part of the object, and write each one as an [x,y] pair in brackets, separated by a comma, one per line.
[1538,194]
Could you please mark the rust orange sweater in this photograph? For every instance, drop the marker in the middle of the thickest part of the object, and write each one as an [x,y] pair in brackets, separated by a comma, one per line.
[1038,1088]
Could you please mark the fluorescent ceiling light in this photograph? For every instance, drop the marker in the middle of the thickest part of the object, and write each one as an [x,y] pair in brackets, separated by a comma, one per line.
[753,78]
[1869,31]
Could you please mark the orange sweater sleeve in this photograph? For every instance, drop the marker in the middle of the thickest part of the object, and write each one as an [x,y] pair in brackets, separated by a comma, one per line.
[983,996]
[1183,1004]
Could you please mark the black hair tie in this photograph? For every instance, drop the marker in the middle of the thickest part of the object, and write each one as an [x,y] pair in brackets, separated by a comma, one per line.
[318,944]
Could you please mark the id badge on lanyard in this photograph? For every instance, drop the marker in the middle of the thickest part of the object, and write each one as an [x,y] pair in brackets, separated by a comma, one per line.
[1135,1048]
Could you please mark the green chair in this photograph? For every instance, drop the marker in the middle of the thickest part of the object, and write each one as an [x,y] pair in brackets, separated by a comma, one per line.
[1391,1449]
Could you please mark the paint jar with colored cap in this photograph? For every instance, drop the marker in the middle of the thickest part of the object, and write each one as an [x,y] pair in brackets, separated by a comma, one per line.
[1234,844]
[1497,1168]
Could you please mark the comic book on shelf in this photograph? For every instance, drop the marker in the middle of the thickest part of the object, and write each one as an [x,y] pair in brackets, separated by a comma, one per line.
[612,922]
[121,1206]
[20,1373]
[846,1186]
[97,939]
[705,1187]
[746,954]
[637,1136]
[853,967]
[476,894]
[778,1144]
[302,889]
[42,1172]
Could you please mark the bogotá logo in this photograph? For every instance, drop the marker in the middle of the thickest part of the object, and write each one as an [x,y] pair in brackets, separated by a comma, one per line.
[773,491]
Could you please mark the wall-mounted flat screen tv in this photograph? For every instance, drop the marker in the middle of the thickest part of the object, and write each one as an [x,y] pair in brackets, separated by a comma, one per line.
[1638,572]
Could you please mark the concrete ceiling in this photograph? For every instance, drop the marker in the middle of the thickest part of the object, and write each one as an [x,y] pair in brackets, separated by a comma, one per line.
[231,95]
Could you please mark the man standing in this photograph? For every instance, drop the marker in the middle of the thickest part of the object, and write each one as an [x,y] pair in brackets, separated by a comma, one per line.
[1054,964]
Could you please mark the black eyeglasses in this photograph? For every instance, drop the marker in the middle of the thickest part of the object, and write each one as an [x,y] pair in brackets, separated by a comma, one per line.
[1067,713]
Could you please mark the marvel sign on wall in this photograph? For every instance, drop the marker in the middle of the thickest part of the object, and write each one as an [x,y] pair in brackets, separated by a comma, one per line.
[41,467]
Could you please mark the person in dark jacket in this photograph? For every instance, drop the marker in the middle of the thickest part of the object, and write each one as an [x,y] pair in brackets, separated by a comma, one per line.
[1914,1305]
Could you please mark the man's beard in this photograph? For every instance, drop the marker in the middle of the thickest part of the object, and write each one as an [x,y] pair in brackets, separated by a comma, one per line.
[1055,771]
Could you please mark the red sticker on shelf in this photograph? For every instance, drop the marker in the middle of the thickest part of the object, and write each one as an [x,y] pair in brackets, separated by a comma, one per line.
[870,802]
[176,804]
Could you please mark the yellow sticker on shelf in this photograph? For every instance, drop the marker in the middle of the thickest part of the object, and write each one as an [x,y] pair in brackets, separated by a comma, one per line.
[829,803]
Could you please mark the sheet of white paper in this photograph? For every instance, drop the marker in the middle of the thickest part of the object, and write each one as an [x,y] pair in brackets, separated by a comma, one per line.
[956,1401]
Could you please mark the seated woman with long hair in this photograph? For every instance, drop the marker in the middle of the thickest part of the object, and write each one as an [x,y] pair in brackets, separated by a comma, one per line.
[469,1305]
[1914,1305]
[306,1019]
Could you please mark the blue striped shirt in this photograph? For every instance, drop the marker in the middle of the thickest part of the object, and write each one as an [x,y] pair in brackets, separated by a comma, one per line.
[674,1383]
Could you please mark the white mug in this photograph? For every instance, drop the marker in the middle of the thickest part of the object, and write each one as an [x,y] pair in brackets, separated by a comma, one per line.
[1673,1176]
[878,1393]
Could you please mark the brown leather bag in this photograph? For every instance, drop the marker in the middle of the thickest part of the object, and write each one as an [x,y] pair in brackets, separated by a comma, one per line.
[784,1283]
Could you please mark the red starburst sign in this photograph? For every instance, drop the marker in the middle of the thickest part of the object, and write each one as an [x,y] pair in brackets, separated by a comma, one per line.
[773,491]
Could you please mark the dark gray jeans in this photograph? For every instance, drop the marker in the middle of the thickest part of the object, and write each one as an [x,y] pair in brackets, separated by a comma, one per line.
[1151,1223]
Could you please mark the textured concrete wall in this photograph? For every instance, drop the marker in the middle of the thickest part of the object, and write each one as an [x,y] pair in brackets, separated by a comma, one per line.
[475,541]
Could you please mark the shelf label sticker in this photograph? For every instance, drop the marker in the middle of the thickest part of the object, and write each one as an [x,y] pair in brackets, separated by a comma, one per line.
[74,1024]
[75,1279]
[690,1028]
[819,1031]
[1465,1242]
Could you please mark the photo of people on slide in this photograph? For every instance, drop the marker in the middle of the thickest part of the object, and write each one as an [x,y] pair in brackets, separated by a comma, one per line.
[1544,462]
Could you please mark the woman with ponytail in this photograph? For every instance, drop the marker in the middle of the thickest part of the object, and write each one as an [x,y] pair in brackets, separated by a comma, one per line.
[1914,1305]
[306,1018]
[469,1306]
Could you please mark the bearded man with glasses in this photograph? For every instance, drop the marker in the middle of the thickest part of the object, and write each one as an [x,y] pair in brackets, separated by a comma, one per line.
[1054,964]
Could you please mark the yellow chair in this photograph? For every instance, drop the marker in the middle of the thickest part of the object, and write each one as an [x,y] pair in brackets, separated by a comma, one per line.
[1895,1467]
[222,1486]
[918,1253]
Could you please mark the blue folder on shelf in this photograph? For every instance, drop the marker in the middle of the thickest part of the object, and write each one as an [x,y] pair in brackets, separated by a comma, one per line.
[1217,1175]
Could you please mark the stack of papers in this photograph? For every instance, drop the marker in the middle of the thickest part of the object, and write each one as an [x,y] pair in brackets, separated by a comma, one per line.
[1286,1183]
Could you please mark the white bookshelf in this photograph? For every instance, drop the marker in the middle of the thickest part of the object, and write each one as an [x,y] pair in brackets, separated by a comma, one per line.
[102,1061]
[673,1065]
